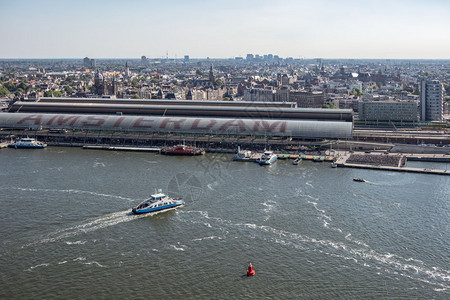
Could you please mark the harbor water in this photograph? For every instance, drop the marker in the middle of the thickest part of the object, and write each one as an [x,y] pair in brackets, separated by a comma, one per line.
[309,230]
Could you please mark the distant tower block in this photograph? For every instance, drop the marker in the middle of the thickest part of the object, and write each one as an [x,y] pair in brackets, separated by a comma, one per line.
[127,70]
[431,100]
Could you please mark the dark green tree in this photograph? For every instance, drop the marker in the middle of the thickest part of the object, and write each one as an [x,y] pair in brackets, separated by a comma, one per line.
[4,91]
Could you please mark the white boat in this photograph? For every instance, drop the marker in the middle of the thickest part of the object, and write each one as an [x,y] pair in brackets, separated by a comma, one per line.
[333,165]
[157,202]
[297,161]
[243,155]
[267,158]
[27,143]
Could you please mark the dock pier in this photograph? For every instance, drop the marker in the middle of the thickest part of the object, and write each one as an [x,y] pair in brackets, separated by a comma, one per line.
[400,167]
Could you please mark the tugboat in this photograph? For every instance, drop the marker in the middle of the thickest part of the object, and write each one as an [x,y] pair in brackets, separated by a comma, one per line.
[28,143]
[267,158]
[357,179]
[182,150]
[157,202]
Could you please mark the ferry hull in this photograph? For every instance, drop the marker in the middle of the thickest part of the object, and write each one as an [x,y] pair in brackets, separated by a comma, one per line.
[155,209]
[267,162]
[26,146]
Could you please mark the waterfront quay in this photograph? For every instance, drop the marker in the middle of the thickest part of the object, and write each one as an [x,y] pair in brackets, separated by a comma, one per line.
[390,162]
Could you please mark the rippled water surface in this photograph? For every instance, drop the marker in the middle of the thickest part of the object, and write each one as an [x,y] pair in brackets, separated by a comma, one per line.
[309,230]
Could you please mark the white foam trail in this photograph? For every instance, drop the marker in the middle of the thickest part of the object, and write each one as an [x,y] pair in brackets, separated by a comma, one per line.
[209,185]
[93,225]
[94,263]
[76,243]
[269,204]
[309,184]
[177,248]
[358,252]
[323,216]
[79,259]
[38,266]
[208,238]
[72,191]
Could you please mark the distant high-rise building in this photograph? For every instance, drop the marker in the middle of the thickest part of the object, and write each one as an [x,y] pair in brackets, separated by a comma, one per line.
[431,100]
[89,63]
[250,57]
[86,62]
[144,60]
[186,58]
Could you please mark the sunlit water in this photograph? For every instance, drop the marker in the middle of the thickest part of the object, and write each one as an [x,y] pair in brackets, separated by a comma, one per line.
[309,230]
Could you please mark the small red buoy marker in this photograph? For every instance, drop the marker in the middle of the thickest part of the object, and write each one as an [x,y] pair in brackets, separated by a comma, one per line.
[250,270]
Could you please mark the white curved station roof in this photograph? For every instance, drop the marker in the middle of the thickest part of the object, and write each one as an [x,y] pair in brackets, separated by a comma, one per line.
[308,129]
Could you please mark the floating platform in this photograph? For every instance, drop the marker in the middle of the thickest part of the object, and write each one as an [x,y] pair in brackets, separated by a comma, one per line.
[398,169]
[115,148]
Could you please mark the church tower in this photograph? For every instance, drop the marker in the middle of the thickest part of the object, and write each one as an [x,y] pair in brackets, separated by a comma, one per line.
[211,75]
[127,70]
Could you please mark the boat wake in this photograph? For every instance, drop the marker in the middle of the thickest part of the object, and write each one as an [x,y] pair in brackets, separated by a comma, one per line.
[73,191]
[349,249]
[91,225]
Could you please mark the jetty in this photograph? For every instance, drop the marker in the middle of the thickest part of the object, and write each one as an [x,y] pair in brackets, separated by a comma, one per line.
[121,148]
[385,162]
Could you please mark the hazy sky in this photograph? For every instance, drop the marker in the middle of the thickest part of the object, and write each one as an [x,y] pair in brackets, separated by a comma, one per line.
[222,29]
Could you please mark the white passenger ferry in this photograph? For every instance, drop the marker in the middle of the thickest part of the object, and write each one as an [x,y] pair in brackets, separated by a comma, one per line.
[27,143]
[157,202]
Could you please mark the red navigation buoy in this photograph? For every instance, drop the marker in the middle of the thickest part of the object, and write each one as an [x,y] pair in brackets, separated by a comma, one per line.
[250,270]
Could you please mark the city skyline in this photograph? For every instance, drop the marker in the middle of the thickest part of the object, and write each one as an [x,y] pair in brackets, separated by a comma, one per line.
[225,29]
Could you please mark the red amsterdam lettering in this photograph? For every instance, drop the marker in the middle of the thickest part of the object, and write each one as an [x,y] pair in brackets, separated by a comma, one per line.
[118,122]
[176,123]
[36,119]
[142,123]
[63,119]
[270,126]
[239,124]
[94,121]
[195,124]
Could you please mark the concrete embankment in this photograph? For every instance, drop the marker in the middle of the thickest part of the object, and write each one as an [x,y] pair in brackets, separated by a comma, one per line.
[398,169]
[387,162]
[115,148]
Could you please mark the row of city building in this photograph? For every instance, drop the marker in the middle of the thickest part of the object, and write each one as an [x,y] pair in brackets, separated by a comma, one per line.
[374,90]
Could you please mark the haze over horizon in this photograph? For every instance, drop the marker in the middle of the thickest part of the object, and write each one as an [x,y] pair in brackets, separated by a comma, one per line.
[224,29]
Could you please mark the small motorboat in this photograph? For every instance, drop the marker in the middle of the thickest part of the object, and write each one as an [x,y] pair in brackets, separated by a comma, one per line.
[267,158]
[333,165]
[157,202]
[357,179]
[297,161]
